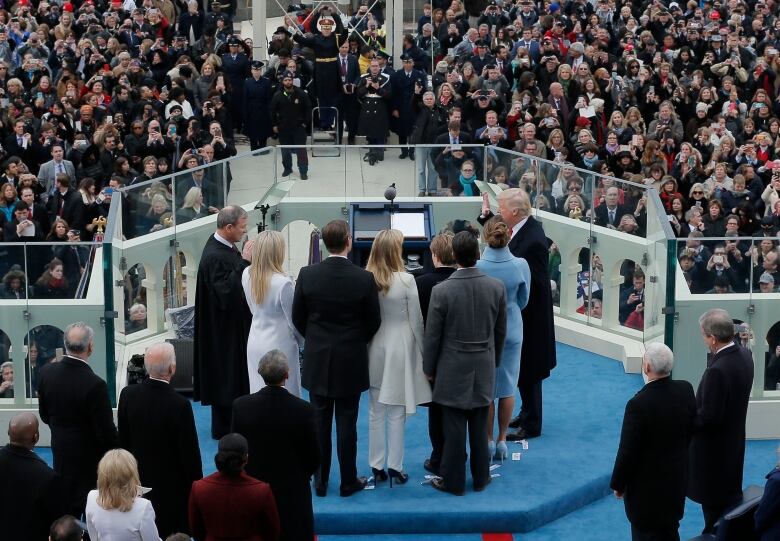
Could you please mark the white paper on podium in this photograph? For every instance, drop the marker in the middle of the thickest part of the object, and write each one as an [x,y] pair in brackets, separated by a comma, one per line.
[411,224]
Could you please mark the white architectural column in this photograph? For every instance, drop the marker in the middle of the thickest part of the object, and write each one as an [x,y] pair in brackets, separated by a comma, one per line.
[259,34]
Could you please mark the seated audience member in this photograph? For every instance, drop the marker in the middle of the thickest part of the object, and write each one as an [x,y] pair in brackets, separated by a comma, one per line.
[66,528]
[52,283]
[632,296]
[767,516]
[719,267]
[766,283]
[30,496]
[14,285]
[720,286]
[610,212]
[116,508]
[137,319]
[229,504]
[7,380]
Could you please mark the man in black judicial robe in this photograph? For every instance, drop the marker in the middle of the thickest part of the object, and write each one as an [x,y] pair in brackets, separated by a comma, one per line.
[156,424]
[74,402]
[30,498]
[717,451]
[283,447]
[336,308]
[222,321]
[538,356]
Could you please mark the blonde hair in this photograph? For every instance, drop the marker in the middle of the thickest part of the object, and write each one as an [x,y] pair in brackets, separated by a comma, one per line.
[117,481]
[267,259]
[516,199]
[191,198]
[385,258]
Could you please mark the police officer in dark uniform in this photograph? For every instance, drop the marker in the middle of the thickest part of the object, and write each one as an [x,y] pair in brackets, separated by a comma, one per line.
[327,78]
[384,66]
[375,91]
[235,64]
[258,92]
[403,82]
[290,111]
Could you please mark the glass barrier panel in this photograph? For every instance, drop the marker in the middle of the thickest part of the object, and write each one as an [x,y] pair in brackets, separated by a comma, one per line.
[661,238]
[370,170]
[147,207]
[14,374]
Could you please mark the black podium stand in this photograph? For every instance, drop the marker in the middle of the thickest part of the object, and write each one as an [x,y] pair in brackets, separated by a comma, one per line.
[415,220]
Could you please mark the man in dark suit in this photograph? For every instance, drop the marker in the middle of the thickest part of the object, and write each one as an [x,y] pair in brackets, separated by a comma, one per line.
[66,203]
[156,424]
[349,108]
[538,356]
[222,320]
[443,267]
[404,82]
[35,212]
[336,308]
[29,489]
[609,212]
[283,447]
[74,402]
[464,337]
[651,467]
[717,451]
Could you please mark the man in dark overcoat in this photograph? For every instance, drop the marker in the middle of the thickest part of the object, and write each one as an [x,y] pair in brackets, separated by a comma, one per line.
[156,424]
[374,91]
[404,82]
[283,447]
[717,451]
[258,91]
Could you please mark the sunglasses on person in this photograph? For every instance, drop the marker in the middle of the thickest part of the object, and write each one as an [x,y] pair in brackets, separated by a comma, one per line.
[697,192]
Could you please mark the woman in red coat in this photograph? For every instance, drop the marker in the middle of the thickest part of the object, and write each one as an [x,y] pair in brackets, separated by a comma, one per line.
[230,504]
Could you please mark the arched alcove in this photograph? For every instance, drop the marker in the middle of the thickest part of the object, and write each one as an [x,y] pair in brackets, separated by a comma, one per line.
[631,278]
[772,359]
[43,345]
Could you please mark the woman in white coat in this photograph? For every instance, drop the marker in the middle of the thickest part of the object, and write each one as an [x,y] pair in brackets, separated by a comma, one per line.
[397,381]
[269,294]
[115,511]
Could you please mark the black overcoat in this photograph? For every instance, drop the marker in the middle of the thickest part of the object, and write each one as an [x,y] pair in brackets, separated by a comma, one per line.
[156,424]
[717,451]
[257,107]
[283,452]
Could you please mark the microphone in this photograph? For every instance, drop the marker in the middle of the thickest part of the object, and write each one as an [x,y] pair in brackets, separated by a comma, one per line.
[390,193]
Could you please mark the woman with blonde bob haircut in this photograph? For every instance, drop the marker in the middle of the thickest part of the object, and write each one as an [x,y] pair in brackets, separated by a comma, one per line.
[269,294]
[397,382]
[115,510]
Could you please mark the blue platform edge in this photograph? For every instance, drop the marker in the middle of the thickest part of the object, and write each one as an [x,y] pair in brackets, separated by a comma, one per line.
[564,473]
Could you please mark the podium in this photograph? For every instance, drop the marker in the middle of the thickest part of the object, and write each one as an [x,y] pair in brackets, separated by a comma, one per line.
[414,220]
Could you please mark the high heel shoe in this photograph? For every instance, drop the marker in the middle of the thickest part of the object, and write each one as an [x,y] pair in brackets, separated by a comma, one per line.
[501,451]
[401,477]
[379,475]
[491,449]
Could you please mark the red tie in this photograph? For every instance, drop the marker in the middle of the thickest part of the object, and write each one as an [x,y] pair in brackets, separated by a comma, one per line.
[62,206]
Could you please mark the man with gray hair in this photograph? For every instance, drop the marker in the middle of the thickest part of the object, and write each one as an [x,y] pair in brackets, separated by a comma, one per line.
[283,447]
[222,320]
[156,424]
[717,452]
[74,402]
[651,467]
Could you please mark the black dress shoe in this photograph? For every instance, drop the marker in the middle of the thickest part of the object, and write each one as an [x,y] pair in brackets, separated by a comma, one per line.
[431,467]
[321,489]
[379,475]
[411,154]
[438,484]
[522,434]
[480,488]
[358,485]
[515,423]
[404,154]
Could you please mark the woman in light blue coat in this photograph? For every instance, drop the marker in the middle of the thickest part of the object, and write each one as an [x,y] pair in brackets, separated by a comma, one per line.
[497,261]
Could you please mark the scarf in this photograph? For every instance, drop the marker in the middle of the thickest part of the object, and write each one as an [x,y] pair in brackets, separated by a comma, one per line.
[468,185]
[612,148]
[57,282]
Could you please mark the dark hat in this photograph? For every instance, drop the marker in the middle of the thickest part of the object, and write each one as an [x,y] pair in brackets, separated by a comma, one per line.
[233,40]
[767,220]
[481,43]
[406,58]
[282,30]
[287,75]
[383,54]
[257,64]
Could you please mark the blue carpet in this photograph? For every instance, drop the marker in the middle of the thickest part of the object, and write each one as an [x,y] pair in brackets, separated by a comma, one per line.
[565,473]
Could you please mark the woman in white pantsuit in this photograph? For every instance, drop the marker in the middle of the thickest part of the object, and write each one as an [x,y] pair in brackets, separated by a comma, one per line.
[397,381]
[269,294]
